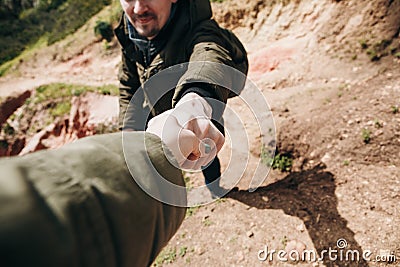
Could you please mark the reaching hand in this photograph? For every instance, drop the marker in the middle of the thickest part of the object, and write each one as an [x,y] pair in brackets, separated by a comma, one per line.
[188,132]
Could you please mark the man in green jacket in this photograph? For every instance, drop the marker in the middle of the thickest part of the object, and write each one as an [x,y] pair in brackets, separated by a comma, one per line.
[157,34]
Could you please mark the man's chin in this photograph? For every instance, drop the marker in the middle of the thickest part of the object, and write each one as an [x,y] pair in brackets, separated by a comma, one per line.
[149,34]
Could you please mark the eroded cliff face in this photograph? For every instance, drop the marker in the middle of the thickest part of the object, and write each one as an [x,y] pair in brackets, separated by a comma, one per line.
[32,127]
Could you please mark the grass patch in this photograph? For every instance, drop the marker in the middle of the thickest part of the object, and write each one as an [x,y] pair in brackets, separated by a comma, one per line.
[168,255]
[51,19]
[380,49]
[366,135]
[207,222]
[61,109]
[363,44]
[182,251]
[5,68]
[280,161]
[54,91]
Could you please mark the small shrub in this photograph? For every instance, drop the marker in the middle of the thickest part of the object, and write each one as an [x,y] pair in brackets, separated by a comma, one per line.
[104,30]
[366,135]
[373,55]
[8,129]
[282,162]
[182,251]
[395,109]
[378,124]
[207,222]
[363,44]
[168,255]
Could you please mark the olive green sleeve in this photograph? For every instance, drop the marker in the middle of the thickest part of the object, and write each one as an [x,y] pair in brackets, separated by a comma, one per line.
[210,43]
[79,206]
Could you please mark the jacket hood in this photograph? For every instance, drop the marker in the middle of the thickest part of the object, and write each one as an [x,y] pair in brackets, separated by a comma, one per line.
[199,10]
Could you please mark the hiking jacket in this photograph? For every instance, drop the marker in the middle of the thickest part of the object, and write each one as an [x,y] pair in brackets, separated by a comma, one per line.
[79,205]
[192,36]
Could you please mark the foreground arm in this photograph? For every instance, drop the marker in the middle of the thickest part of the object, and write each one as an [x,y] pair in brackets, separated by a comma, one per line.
[79,206]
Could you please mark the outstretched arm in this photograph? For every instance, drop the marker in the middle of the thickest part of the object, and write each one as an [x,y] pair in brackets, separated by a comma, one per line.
[188,132]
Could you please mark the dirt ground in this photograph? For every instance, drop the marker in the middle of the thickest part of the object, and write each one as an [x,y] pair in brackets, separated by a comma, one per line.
[331,76]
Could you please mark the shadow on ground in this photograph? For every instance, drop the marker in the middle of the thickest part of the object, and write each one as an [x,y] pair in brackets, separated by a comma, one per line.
[310,196]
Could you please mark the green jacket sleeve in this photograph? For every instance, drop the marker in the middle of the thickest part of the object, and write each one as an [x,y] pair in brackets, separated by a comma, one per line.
[79,206]
[210,43]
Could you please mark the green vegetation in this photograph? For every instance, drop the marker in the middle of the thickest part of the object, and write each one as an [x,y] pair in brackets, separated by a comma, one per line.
[59,94]
[327,101]
[188,183]
[363,44]
[182,251]
[8,129]
[168,255]
[61,109]
[346,162]
[55,91]
[395,109]
[284,241]
[378,124]
[379,49]
[207,222]
[23,26]
[281,161]
[104,30]
[48,103]
[373,55]
[366,135]
[191,211]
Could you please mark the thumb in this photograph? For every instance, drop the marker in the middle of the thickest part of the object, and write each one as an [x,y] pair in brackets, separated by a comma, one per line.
[189,145]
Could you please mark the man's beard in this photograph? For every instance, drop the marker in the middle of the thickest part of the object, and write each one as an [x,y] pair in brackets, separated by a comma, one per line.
[149,30]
